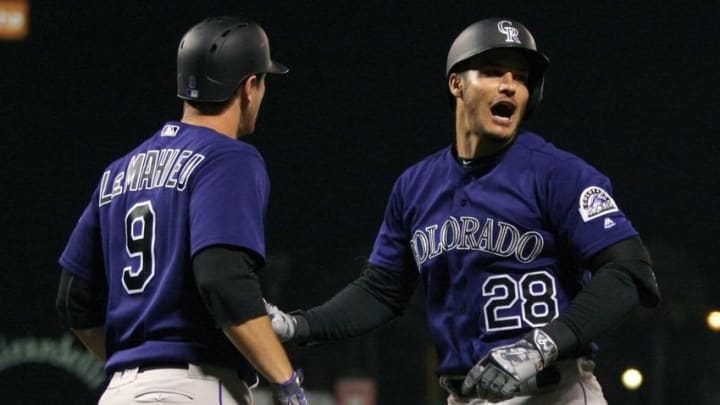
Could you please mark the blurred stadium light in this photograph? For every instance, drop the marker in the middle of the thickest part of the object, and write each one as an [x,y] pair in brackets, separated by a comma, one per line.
[14,19]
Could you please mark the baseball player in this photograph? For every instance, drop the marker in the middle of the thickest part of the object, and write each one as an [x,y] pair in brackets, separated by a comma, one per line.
[524,254]
[159,275]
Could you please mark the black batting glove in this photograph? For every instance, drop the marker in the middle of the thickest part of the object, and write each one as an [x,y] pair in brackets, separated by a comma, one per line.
[498,375]
[290,392]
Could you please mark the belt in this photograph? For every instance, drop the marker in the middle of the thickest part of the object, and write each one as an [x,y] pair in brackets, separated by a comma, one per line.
[159,365]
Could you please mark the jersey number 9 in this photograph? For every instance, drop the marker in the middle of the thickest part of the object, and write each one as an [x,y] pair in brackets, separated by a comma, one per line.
[140,244]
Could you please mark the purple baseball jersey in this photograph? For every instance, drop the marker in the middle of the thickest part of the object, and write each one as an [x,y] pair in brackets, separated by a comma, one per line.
[183,189]
[500,248]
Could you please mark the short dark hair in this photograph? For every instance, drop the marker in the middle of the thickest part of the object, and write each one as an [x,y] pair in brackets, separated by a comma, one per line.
[208,107]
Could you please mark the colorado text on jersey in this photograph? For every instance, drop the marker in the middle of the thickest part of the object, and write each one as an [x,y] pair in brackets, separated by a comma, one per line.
[466,234]
[169,168]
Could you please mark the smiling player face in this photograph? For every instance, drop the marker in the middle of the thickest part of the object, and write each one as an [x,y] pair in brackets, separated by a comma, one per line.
[492,95]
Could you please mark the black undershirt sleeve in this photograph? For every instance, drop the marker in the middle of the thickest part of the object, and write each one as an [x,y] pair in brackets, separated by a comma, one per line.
[225,277]
[622,278]
[228,284]
[80,303]
[372,300]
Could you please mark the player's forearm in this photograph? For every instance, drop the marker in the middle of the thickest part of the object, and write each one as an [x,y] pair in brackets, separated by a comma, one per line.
[369,302]
[256,340]
[93,339]
[352,312]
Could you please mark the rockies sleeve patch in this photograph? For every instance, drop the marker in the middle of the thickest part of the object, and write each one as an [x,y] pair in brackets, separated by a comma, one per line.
[595,202]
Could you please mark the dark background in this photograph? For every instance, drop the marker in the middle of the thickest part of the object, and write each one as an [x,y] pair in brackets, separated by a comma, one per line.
[632,88]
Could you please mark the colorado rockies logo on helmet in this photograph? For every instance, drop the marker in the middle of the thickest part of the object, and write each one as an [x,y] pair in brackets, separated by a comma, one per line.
[511,33]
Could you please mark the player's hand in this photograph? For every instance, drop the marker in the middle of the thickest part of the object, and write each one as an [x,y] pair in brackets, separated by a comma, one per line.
[497,376]
[284,324]
[290,392]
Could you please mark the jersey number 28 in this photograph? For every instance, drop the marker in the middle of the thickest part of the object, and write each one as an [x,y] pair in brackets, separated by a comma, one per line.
[537,295]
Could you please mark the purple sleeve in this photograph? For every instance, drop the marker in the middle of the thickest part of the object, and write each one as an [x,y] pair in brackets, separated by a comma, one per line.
[83,253]
[583,210]
[228,203]
[392,245]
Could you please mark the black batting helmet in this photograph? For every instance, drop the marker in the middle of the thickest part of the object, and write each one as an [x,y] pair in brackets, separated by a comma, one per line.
[218,54]
[500,33]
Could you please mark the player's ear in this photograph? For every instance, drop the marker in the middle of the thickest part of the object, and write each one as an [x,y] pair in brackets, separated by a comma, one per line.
[245,91]
[455,85]
[250,90]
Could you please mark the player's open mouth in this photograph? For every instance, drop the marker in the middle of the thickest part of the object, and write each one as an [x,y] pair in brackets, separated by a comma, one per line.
[502,111]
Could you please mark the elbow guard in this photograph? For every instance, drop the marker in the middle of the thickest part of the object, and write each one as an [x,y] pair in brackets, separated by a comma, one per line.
[630,256]
[644,278]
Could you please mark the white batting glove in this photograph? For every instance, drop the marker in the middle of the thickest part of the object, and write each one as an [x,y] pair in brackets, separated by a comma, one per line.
[498,375]
[284,324]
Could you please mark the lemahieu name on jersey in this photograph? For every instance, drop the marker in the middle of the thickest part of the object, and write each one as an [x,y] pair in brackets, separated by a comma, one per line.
[170,168]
